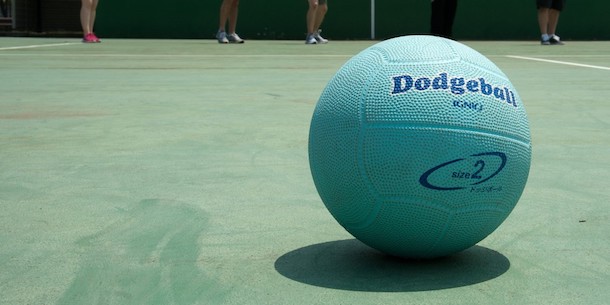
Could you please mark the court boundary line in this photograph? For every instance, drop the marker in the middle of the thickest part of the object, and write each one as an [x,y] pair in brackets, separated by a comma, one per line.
[559,62]
[38,46]
[254,55]
[181,55]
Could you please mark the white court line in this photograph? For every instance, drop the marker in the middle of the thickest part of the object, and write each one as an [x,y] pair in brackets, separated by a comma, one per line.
[38,46]
[187,55]
[559,62]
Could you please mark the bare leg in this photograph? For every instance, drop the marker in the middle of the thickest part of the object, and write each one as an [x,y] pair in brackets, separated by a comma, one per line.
[553,19]
[311,16]
[225,10]
[85,16]
[543,20]
[320,13]
[233,16]
[92,14]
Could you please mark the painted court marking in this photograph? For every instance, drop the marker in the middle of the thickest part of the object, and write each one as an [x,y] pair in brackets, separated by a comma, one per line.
[38,46]
[184,55]
[259,55]
[559,62]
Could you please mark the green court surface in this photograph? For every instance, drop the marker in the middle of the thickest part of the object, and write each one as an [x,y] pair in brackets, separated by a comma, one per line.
[176,172]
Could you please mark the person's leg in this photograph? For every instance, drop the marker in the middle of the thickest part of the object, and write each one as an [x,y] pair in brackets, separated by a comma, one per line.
[233,16]
[311,16]
[87,20]
[543,20]
[231,35]
[3,8]
[92,14]
[312,12]
[437,18]
[225,10]
[553,19]
[85,16]
[320,13]
[450,10]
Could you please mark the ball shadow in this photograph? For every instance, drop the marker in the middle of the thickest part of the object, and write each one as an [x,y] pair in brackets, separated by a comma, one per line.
[351,265]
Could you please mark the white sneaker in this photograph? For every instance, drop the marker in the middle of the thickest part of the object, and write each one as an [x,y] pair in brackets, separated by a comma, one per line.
[234,38]
[310,39]
[319,38]
[222,37]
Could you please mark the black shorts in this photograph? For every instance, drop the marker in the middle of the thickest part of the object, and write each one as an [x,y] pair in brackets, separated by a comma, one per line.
[554,4]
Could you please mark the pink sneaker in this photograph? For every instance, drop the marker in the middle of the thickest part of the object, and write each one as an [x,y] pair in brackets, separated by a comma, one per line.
[91,38]
[88,38]
[95,37]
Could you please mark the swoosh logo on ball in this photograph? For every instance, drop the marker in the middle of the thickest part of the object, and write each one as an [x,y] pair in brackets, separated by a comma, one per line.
[423,180]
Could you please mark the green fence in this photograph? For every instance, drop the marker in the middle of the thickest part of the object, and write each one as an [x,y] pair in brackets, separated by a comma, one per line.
[280,19]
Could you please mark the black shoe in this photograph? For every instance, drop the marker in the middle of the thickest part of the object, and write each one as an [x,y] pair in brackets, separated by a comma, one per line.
[554,40]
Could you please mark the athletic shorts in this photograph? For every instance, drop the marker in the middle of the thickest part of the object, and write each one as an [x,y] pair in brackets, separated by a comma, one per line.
[321,2]
[554,4]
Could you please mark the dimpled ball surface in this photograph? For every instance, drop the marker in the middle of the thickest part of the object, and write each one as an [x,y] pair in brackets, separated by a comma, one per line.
[419,146]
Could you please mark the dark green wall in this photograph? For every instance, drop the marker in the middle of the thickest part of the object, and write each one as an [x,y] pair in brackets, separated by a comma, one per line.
[281,19]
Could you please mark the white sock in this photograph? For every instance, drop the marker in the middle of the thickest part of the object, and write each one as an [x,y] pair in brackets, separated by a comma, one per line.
[545,37]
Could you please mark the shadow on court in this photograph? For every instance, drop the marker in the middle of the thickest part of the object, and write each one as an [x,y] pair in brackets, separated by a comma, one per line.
[351,265]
